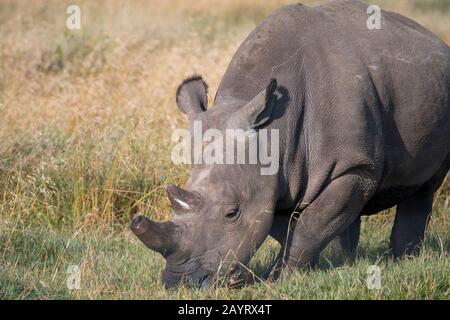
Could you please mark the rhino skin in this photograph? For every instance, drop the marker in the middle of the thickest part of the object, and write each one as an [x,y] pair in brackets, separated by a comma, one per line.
[363,117]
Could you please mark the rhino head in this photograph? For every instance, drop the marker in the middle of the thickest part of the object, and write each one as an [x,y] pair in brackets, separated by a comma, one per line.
[226,211]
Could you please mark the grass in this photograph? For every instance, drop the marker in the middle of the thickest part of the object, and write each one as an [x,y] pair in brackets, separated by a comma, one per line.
[85,125]
[114,265]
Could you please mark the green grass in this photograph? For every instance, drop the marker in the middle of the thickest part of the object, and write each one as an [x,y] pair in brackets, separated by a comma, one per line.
[85,124]
[114,265]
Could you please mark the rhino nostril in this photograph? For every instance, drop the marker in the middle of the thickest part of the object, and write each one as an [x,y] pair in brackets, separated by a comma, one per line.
[137,225]
[136,220]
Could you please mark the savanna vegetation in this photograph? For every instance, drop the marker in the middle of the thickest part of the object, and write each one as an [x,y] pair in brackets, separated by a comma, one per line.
[85,123]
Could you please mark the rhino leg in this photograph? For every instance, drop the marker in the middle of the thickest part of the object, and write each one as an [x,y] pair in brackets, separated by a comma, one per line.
[333,211]
[279,232]
[410,223]
[413,215]
[280,225]
[345,244]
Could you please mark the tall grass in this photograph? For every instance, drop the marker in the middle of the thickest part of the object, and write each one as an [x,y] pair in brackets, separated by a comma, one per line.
[85,124]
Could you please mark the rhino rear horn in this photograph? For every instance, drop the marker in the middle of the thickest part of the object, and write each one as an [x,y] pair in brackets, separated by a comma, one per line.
[158,236]
[183,201]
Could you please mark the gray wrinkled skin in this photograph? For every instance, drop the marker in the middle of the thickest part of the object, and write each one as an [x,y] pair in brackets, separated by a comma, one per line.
[363,117]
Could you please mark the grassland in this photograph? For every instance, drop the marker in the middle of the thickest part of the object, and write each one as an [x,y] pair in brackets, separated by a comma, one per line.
[85,124]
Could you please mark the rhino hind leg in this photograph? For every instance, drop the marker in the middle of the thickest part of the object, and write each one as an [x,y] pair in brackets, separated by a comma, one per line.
[413,215]
[410,223]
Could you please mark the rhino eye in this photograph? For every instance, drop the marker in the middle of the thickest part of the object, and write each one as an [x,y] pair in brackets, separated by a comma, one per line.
[232,214]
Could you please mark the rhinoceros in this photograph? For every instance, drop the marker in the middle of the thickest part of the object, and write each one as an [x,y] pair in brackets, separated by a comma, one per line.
[363,116]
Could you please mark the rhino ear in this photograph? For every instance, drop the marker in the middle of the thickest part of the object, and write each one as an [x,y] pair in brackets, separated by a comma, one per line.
[257,111]
[192,96]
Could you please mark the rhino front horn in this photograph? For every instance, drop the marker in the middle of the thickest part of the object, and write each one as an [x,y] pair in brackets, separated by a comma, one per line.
[158,236]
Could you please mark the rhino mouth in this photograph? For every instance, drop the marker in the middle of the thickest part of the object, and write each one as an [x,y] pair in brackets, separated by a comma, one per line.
[203,280]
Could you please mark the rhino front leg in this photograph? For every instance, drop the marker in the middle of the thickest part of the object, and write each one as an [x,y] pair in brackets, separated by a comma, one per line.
[279,232]
[333,211]
[282,220]
[345,244]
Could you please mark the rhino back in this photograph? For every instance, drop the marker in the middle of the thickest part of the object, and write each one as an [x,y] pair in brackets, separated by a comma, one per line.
[399,73]
[341,22]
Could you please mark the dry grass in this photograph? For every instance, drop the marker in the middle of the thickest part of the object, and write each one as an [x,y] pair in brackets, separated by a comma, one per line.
[85,127]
